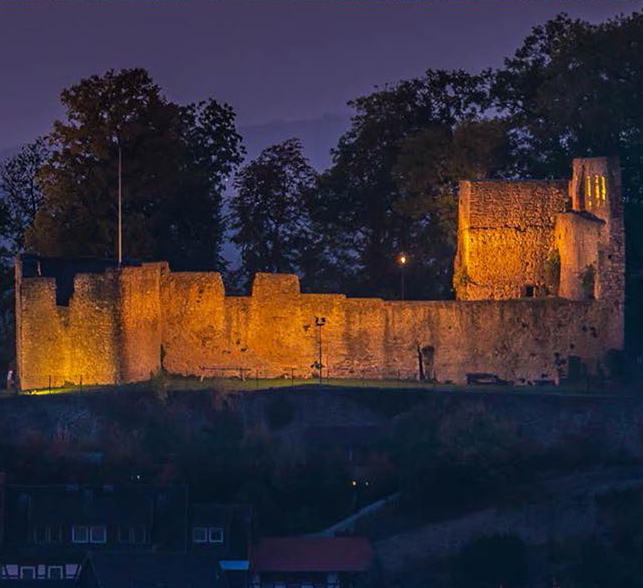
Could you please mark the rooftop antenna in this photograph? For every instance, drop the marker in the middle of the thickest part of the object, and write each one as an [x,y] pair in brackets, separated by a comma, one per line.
[120,193]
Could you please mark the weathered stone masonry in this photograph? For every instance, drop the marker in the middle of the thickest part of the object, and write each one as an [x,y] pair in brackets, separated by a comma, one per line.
[123,325]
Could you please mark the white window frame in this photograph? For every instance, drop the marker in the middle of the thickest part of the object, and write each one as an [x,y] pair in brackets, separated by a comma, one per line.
[61,569]
[132,531]
[102,528]
[25,568]
[203,530]
[46,534]
[124,534]
[211,531]
[71,570]
[74,534]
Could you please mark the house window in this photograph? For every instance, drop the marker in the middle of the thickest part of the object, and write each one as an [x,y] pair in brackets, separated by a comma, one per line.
[55,573]
[98,534]
[10,572]
[124,534]
[137,534]
[41,534]
[56,533]
[215,535]
[70,571]
[27,573]
[79,534]
[199,534]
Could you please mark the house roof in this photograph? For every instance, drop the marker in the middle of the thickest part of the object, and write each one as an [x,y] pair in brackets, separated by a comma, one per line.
[150,570]
[161,508]
[311,554]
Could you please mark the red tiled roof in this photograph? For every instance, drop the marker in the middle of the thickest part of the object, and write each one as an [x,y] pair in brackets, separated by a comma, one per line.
[311,554]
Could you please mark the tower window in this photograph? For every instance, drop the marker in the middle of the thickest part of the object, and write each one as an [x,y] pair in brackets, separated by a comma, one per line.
[597,187]
[603,191]
[530,291]
[588,191]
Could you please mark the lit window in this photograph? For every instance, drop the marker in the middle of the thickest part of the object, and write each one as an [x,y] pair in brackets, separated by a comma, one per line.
[55,573]
[27,573]
[215,535]
[79,534]
[199,534]
[597,187]
[588,191]
[603,191]
[98,534]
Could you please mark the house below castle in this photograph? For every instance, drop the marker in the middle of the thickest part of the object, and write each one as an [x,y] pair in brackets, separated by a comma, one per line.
[539,279]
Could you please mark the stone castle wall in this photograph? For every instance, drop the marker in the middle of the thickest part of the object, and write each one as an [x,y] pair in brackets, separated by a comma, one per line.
[124,325]
[121,326]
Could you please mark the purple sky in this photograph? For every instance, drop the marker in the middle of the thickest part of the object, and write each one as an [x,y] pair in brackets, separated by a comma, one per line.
[274,62]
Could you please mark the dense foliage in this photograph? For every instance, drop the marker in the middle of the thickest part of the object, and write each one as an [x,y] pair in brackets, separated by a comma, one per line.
[175,162]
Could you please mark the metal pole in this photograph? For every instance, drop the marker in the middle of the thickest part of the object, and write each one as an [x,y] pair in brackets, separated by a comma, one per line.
[402,280]
[320,355]
[120,197]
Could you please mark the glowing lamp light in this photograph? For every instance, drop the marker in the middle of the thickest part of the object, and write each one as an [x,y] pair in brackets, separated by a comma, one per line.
[402,259]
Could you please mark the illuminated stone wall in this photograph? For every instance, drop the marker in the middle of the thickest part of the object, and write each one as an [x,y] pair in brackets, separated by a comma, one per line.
[109,332]
[505,231]
[119,325]
[273,332]
[123,325]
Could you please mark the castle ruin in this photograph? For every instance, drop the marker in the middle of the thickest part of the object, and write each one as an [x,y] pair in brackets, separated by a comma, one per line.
[538,276]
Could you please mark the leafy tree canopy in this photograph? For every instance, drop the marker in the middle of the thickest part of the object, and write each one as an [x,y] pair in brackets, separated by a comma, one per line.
[175,162]
[269,214]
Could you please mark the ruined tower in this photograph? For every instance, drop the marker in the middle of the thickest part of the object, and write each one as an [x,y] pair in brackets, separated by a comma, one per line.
[532,239]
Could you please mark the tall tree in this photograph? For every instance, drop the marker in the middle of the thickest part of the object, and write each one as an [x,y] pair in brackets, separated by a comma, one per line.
[575,89]
[269,214]
[360,196]
[20,197]
[175,161]
[20,193]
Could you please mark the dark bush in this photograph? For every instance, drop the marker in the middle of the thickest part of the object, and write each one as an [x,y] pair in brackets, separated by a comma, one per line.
[489,562]
[280,412]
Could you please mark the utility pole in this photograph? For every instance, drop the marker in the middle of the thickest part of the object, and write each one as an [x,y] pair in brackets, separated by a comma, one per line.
[120,199]
[402,259]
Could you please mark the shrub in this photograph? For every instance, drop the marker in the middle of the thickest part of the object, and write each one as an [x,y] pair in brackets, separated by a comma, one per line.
[280,411]
[587,278]
[489,562]
[552,271]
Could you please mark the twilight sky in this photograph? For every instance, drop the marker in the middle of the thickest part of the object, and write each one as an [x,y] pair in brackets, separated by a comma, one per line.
[287,68]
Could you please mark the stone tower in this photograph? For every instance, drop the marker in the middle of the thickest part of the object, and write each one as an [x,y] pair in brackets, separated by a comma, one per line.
[532,239]
[590,237]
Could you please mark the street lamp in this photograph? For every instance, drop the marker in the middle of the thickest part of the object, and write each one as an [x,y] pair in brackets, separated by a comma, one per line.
[402,260]
[320,321]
